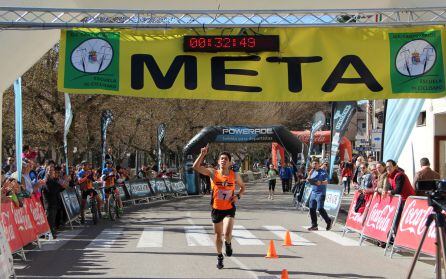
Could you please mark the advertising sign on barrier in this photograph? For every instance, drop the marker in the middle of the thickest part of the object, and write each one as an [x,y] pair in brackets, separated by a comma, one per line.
[178,186]
[6,262]
[22,218]
[412,226]
[38,215]
[168,184]
[306,195]
[379,220]
[10,228]
[71,203]
[333,199]
[355,220]
[140,188]
[159,186]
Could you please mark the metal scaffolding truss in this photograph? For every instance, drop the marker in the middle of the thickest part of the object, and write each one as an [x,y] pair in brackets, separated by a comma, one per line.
[21,17]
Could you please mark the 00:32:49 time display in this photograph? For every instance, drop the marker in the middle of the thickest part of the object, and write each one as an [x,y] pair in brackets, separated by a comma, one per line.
[222,42]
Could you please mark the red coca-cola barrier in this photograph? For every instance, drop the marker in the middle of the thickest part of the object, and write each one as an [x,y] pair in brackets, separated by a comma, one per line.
[24,224]
[355,220]
[412,224]
[38,215]
[380,218]
[11,228]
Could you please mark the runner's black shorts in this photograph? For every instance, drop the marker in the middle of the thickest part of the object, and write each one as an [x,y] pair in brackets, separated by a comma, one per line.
[86,193]
[218,215]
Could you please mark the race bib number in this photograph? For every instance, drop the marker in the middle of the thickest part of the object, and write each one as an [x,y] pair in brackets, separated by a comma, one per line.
[224,195]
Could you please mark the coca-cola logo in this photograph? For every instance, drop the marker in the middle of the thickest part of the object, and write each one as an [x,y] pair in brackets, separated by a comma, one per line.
[414,219]
[318,138]
[37,215]
[22,219]
[381,219]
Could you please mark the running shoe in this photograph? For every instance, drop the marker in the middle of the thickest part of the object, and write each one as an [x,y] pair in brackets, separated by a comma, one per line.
[313,228]
[228,249]
[220,261]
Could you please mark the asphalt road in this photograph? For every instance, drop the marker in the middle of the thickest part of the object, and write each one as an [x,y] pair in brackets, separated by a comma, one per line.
[174,240]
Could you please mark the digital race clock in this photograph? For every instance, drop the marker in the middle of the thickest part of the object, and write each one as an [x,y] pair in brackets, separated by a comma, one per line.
[236,43]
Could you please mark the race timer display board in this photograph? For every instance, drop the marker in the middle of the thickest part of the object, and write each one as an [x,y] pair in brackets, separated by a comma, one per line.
[238,43]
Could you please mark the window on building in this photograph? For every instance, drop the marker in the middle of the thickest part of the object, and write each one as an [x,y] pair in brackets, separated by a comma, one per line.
[421,121]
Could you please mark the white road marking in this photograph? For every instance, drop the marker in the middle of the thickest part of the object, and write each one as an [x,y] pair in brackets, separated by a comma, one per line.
[335,237]
[151,237]
[106,239]
[244,267]
[62,238]
[197,236]
[295,238]
[244,237]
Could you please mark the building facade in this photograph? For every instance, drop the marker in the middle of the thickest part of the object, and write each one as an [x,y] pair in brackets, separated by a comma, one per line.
[428,139]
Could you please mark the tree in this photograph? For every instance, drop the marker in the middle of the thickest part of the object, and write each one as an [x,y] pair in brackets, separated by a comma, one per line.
[135,119]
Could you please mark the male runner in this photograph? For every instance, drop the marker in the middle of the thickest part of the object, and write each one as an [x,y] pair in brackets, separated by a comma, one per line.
[223,201]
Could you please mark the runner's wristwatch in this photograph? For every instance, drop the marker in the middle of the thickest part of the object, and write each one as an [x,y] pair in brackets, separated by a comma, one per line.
[238,196]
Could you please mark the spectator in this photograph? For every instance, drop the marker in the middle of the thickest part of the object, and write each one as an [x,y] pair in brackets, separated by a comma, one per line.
[398,180]
[122,173]
[365,180]
[399,185]
[28,153]
[272,174]
[52,196]
[19,187]
[286,175]
[357,171]
[346,174]
[294,170]
[109,155]
[371,159]
[426,173]
[325,166]
[26,169]
[142,172]
[381,181]
[42,172]
[8,192]
[9,167]
[372,176]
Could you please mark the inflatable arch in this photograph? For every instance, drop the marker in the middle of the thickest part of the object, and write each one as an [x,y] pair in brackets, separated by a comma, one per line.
[320,137]
[235,134]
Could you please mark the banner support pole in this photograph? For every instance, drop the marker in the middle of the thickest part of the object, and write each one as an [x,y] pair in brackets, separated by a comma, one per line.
[384,129]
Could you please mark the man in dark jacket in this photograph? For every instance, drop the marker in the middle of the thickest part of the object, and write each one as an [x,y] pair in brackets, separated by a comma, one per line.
[52,195]
[426,173]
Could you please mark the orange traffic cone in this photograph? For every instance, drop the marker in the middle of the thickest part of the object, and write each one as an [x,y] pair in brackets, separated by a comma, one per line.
[287,240]
[271,251]
[284,274]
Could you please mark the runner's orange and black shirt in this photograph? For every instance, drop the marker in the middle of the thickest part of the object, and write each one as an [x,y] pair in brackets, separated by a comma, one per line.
[223,187]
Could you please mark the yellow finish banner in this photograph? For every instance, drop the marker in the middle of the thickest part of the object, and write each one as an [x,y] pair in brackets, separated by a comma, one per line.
[310,64]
